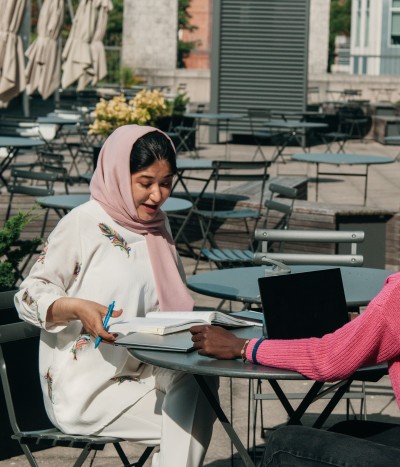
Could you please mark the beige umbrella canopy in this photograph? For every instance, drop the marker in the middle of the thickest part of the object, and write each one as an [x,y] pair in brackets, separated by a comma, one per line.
[12,73]
[43,71]
[97,46]
[77,54]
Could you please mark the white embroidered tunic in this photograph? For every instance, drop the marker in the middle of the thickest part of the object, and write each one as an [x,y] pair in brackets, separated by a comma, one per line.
[91,257]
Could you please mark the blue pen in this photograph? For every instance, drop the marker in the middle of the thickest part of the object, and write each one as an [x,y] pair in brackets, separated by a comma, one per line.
[105,322]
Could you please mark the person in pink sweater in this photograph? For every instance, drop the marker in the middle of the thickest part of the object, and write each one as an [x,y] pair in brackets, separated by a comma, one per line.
[371,338]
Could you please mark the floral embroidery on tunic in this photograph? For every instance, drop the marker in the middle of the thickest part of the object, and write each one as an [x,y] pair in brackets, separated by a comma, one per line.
[49,378]
[121,379]
[79,343]
[43,253]
[115,238]
[77,270]
[28,299]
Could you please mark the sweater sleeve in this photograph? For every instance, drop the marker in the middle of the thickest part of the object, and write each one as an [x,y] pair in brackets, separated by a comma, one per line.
[371,338]
[52,274]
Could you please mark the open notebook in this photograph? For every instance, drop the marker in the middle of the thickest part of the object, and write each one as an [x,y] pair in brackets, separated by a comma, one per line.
[307,304]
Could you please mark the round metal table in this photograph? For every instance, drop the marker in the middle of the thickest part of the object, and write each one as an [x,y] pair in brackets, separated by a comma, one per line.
[240,284]
[64,203]
[343,159]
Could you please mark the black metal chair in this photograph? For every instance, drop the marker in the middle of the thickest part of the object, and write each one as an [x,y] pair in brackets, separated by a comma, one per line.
[244,219]
[260,136]
[278,213]
[16,333]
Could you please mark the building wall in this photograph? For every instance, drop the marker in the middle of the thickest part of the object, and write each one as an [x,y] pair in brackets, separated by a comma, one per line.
[150,35]
[201,17]
[390,62]
[318,36]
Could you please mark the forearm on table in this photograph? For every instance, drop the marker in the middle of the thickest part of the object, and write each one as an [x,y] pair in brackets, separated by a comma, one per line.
[362,342]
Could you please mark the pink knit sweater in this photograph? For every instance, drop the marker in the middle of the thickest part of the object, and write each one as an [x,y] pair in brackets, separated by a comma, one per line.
[373,337]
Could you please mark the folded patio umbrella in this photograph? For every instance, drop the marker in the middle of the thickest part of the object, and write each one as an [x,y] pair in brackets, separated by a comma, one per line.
[97,46]
[12,76]
[43,71]
[77,54]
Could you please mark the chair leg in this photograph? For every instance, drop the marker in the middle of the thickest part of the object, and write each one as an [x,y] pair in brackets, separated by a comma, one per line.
[29,455]
[9,206]
[83,456]
[143,458]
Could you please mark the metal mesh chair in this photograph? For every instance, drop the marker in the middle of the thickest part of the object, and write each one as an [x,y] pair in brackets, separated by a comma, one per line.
[51,437]
[244,219]
[282,211]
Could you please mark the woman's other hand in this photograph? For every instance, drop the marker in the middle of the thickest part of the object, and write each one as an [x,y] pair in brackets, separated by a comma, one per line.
[91,314]
[217,342]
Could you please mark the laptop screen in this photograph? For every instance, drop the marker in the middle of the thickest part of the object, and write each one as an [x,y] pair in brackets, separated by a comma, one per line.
[306,304]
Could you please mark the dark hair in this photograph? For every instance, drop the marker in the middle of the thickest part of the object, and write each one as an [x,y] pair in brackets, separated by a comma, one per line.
[152,147]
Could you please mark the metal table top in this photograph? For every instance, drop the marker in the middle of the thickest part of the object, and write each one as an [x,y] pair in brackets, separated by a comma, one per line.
[68,202]
[349,159]
[240,284]
[216,116]
[294,124]
[19,142]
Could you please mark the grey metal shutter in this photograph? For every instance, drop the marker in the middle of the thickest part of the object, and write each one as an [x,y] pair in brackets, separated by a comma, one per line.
[259,57]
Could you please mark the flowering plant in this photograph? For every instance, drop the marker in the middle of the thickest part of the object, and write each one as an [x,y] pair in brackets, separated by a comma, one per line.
[144,109]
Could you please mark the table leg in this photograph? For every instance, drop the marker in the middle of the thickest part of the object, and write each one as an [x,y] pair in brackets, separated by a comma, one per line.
[366,184]
[12,153]
[317,183]
[224,421]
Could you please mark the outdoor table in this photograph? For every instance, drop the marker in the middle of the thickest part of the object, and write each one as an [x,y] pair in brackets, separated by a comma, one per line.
[223,117]
[296,131]
[343,159]
[202,367]
[361,285]
[13,146]
[64,203]
[59,122]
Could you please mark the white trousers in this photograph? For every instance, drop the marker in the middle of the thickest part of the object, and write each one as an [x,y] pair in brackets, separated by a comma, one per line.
[175,415]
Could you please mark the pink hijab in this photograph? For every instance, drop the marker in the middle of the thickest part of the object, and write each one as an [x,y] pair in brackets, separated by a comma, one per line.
[111,187]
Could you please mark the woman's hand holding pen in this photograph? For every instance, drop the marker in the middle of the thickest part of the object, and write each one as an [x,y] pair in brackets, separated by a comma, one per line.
[215,341]
[90,313]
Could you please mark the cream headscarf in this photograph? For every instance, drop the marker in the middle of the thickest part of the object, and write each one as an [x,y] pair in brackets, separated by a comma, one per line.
[111,187]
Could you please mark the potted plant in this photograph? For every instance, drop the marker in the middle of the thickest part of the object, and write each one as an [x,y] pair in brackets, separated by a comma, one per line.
[13,249]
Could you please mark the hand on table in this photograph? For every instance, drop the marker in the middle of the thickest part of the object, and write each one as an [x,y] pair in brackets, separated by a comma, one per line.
[217,342]
[90,313]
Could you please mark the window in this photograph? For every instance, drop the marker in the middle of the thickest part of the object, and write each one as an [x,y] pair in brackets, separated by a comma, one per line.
[358,23]
[366,35]
[395,23]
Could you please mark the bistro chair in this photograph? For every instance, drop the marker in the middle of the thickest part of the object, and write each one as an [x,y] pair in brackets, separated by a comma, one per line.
[305,257]
[277,208]
[14,335]
[25,183]
[51,162]
[243,220]
[261,136]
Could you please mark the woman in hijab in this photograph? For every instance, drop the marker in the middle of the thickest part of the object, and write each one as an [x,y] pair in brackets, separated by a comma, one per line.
[116,247]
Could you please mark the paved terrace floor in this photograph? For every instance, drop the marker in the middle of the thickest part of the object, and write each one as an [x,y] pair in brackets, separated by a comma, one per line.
[383,192]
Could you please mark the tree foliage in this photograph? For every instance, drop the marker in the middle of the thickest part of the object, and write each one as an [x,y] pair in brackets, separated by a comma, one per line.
[340,24]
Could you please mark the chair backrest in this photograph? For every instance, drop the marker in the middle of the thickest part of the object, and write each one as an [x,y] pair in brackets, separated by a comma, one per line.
[21,396]
[22,184]
[310,236]
[239,171]
[257,117]
[12,333]
[274,203]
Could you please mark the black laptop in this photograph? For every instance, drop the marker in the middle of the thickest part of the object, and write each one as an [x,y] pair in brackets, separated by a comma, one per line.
[306,304]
